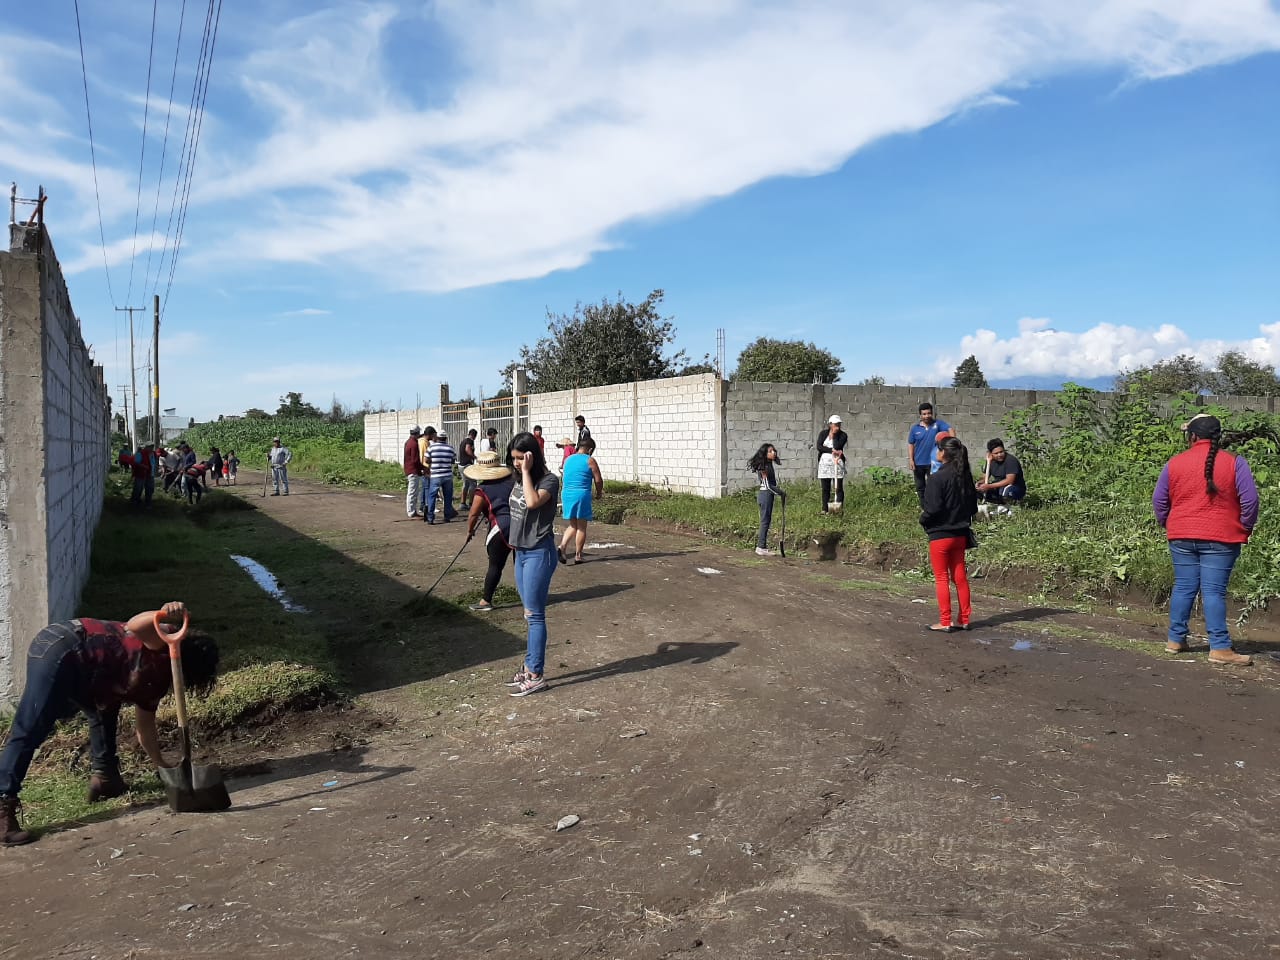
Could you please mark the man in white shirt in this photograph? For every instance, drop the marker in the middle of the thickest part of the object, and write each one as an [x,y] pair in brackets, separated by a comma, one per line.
[278,457]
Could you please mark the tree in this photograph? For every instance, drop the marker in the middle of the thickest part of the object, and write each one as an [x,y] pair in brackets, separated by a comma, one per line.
[256,413]
[612,341]
[292,405]
[787,361]
[873,381]
[1175,375]
[969,374]
[1239,376]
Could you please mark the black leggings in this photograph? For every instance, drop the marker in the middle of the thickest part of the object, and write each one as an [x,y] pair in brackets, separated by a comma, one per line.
[498,552]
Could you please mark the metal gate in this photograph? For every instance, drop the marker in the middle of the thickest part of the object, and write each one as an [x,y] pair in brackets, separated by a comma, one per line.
[453,421]
[498,413]
[522,413]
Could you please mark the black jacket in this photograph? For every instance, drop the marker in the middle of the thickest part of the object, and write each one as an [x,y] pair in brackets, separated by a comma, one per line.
[950,502]
[837,442]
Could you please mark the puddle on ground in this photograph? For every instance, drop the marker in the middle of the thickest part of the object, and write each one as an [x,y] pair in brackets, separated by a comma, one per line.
[1022,645]
[608,546]
[267,581]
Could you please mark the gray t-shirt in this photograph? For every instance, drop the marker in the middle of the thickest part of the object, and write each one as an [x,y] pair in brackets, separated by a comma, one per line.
[530,527]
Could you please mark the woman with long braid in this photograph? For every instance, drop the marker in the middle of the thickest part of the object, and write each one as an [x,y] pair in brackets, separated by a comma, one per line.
[949,504]
[1207,501]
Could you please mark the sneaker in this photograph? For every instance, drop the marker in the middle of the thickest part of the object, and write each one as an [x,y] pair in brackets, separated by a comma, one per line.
[1004,511]
[530,684]
[765,552]
[1229,658]
[521,676]
[481,607]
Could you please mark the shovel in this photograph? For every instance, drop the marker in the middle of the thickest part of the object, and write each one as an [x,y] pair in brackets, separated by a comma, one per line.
[782,538]
[188,788]
[836,504]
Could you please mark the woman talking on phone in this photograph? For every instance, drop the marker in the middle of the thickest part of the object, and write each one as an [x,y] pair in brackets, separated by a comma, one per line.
[533,511]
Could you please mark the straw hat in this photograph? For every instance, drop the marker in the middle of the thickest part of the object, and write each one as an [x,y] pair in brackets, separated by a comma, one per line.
[488,466]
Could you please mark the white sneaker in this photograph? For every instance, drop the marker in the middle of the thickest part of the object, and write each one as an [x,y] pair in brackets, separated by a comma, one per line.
[762,552]
[1004,511]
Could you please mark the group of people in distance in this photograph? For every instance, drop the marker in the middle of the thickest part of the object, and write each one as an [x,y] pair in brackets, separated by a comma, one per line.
[183,472]
[1206,500]
[516,493]
[179,468]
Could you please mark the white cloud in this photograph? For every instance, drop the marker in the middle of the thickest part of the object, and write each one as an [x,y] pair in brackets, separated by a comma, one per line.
[1103,350]
[306,312]
[558,123]
[118,251]
[571,119]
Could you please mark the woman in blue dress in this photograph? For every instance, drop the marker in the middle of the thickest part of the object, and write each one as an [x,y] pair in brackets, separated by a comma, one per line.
[580,474]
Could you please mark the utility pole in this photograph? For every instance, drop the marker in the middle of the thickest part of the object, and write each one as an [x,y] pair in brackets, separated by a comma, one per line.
[155,383]
[124,396]
[133,376]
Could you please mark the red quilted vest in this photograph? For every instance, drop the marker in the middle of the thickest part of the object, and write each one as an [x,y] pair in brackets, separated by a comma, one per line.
[1193,514]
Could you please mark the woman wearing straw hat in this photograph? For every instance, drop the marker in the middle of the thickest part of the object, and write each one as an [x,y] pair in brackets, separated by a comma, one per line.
[494,482]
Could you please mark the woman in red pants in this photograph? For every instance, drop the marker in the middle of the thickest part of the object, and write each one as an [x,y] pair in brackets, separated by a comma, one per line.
[950,503]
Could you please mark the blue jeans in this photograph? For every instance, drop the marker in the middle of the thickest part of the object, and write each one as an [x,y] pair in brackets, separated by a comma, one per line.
[444,487]
[533,579]
[53,679]
[143,486]
[764,500]
[1203,567]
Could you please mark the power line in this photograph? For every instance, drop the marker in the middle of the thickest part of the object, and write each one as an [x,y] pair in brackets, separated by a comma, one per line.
[164,149]
[142,154]
[186,161]
[84,75]
[204,96]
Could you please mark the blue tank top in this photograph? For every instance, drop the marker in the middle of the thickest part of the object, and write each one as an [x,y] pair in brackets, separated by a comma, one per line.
[577,473]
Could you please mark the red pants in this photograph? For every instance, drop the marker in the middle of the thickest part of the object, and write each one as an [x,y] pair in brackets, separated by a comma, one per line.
[947,559]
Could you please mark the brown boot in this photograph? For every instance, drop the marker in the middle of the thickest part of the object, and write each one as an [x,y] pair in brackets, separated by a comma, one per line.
[106,786]
[11,832]
[1229,658]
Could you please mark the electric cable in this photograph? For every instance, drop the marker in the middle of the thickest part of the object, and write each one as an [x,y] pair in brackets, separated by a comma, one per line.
[93,159]
[164,149]
[142,154]
[204,95]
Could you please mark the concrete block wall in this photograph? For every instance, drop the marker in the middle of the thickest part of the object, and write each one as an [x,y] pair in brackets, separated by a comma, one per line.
[55,422]
[385,433]
[680,434]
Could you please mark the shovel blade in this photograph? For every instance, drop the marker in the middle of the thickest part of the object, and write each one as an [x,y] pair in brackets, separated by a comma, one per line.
[194,788]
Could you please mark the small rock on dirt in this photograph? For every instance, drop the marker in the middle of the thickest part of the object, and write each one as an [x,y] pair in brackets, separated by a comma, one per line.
[186,908]
[564,823]
[632,733]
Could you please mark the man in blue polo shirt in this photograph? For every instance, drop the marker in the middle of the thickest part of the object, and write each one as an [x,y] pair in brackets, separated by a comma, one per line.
[921,441]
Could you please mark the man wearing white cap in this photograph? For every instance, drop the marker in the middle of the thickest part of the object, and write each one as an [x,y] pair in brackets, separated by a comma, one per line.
[278,457]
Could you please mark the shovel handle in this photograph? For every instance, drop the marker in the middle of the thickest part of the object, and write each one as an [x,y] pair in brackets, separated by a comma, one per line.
[171,637]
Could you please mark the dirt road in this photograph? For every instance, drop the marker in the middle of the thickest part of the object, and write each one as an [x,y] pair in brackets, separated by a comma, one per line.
[768,758]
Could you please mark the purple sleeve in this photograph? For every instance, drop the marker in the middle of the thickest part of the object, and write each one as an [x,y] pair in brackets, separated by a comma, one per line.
[1247,491]
[1160,499]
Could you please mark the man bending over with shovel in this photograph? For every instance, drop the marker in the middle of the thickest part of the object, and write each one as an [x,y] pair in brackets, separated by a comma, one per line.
[94,666]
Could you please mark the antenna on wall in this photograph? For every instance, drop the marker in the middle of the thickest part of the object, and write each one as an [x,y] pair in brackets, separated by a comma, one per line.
[720,352]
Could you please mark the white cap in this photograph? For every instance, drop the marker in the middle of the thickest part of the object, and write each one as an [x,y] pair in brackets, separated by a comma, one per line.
[834,418]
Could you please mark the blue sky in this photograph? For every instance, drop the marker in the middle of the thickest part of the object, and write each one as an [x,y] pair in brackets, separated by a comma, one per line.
[389,195]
